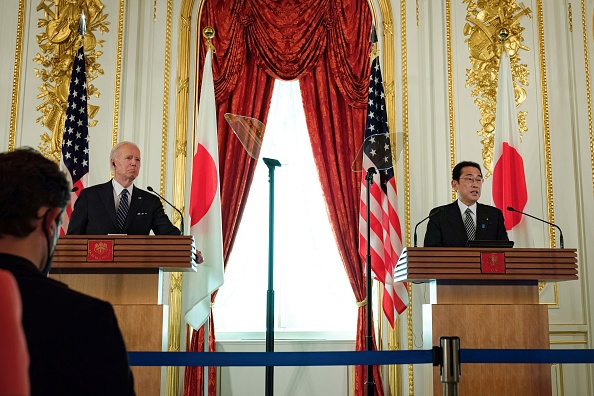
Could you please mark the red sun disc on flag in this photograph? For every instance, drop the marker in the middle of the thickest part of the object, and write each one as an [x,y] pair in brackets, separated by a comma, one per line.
[509,185]
[204,184]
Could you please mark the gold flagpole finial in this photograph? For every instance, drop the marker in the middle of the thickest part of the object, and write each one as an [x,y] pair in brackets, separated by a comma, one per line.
[503,34]
[373,40]
[209,33]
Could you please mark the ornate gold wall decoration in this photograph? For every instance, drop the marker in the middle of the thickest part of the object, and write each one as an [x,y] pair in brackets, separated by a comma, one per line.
[488,21]
[58,42]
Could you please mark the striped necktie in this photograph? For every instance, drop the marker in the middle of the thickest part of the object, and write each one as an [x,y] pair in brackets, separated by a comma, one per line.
[123,210]
[469,224]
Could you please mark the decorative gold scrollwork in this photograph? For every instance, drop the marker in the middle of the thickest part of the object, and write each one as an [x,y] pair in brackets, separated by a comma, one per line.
[493,25]
[58,43]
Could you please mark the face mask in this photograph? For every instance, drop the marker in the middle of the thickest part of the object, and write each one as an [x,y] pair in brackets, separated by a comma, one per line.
[51,245]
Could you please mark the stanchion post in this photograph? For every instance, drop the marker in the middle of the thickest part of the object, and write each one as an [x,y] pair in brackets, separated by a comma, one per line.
[450,364]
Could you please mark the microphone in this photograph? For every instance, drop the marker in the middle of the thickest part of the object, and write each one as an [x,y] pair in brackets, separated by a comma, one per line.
[432,213]
[170,204]
[74,189]
[544,221]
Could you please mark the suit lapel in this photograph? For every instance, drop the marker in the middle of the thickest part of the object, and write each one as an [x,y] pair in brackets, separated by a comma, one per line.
[106,194]
[455,219]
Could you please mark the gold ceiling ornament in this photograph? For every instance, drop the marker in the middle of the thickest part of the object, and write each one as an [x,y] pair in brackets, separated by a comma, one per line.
[494,26]
[58,42]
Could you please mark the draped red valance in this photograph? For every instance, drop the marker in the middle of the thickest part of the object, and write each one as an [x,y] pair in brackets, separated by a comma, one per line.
[287,38]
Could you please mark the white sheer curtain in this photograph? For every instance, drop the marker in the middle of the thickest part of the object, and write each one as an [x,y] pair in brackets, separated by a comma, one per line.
[312,291]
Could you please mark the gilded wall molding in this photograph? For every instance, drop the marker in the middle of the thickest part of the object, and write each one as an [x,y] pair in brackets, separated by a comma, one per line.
[181,102]
[179,174]
[165,125]
[16,80]
[58,42]
[570,17]
[545,121]
[588,89]
[452,126]
[118,75]
[174,330]
[406,181]
[175,278]
[491,30]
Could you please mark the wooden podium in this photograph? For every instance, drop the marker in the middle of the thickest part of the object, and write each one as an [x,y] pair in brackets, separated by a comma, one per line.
[126,271]
[489,298]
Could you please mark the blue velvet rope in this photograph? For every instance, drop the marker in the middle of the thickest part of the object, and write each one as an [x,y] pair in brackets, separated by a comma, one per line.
[250,359]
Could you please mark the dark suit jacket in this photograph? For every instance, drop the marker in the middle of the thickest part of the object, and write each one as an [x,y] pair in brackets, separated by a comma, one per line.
[75,344]
[94,213]
[446,227]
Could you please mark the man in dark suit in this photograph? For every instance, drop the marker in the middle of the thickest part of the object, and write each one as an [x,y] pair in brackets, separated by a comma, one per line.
[454,224]
[74,342]
[97,210]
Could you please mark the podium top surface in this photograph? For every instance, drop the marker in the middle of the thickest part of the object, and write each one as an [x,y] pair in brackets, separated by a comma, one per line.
[125,253]
[538,264]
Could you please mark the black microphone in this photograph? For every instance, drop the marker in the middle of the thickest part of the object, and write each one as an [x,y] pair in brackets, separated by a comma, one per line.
[432,213]
[178,211]
[544,221]
[74,189]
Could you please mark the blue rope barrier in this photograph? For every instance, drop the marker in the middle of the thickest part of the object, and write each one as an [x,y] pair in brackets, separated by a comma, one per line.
[346,358]
[278,358]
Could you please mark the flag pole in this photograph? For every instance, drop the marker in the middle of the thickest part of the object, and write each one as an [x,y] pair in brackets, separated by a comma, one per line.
[369,383]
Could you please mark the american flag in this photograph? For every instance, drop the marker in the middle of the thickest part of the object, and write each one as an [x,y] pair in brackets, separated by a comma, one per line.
[75,141]
[385,234]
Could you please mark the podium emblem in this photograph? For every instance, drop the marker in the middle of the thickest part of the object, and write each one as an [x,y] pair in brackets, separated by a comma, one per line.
[100,250]
[493,263]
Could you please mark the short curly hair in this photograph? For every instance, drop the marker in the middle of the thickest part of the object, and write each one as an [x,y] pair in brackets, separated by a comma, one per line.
[28,182]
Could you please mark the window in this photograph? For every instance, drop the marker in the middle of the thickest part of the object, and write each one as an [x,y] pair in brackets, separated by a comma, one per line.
[313,296]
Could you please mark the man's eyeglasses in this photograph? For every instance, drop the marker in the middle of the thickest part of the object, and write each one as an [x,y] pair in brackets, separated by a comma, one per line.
[470,180]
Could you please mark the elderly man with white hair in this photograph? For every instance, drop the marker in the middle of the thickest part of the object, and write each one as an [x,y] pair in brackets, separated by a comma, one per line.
[118,207]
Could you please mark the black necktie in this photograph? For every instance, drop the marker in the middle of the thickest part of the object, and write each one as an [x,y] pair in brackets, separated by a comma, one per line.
[123,210]
[469,224]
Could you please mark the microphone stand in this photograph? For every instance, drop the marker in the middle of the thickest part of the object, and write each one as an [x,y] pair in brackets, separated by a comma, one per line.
[181,216]
[269,390]
[561,244]
[433,212]
[369,383]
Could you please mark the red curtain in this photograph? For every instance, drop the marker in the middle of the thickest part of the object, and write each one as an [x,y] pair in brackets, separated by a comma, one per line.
[324,44]
[336,131]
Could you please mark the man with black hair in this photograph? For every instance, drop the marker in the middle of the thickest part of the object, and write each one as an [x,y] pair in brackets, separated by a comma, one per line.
[465,219]
[75,344]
